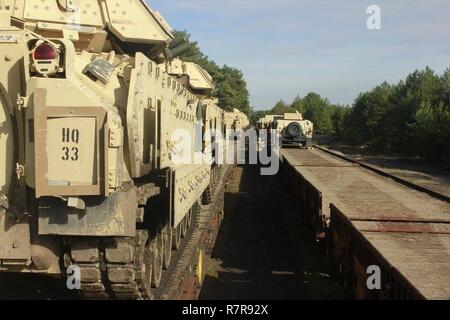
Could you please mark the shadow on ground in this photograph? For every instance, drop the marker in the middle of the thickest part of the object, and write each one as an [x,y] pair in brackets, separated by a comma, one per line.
[34,287]
[263,251]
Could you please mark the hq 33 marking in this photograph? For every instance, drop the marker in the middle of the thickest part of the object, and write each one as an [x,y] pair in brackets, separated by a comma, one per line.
[70,136]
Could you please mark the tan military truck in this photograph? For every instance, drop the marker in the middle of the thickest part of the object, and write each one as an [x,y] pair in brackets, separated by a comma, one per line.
[294,130]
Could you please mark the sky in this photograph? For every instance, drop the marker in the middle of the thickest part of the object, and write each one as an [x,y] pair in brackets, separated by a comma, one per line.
[287,48]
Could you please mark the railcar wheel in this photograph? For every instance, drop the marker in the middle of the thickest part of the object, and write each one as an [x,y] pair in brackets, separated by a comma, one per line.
[157,254]
[167,243]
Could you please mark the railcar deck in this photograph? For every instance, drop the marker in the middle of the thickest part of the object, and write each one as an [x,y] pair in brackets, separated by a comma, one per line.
[370,219]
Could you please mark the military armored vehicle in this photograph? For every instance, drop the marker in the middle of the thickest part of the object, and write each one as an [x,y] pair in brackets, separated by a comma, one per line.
[267,122]
[90,111]
[213,126]
[294,130]
[236,120]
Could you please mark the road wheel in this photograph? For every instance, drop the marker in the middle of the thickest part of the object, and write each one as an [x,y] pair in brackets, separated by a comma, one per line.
[157,253]
[206,197]
[189,218]
[143,263]
[167,242]
[183,224]
[176,237]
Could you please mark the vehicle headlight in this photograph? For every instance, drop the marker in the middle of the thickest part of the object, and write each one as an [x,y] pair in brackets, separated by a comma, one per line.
[46,59]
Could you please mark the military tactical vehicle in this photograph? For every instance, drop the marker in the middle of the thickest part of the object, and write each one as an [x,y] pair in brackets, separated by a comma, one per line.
[294,130]
[236,120]
[213,129]
[267,122]
[90,107]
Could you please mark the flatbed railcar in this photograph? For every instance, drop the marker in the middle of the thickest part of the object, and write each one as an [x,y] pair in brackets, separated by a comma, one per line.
[367,218]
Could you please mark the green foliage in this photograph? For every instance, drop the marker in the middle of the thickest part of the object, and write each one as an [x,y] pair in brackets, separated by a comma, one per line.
[369,109]
[411,117]
[338,120]
[430,131]
[231,87]
[319,111]
[281,108]
[232,90]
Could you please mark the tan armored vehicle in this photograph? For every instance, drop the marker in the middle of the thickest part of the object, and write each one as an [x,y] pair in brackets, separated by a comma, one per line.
[90,119]
[212,125]
[294,130]
[236,120]
[267,122]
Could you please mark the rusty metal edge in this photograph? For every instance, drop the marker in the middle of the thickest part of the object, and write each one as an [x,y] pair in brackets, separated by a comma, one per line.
[320,226]
[337,214]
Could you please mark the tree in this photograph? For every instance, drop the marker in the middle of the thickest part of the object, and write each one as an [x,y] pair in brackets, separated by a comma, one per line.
[231,87]
[318,110]
[281,108]
[232,90]
[298,105]
[338,120]
[411,117]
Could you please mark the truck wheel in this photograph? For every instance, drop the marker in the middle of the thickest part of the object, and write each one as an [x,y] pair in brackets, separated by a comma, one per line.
[294,129]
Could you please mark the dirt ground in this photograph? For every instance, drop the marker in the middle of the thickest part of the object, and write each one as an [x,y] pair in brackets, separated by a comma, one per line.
[432,175]
[263,251]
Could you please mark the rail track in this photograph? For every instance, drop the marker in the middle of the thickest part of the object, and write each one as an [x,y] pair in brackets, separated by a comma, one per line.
[368,217]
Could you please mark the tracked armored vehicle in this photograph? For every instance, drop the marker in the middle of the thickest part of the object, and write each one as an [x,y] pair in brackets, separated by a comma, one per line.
[268,121]
[236,120]
[90,121]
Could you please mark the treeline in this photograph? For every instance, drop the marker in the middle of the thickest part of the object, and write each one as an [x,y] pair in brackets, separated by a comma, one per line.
[411,117]
[231,87]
